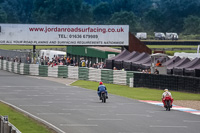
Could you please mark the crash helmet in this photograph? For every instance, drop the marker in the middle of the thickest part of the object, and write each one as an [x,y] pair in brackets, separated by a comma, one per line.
[166,90]
[101,83]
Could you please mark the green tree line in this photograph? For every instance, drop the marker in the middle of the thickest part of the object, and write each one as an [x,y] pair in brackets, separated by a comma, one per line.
[181,16]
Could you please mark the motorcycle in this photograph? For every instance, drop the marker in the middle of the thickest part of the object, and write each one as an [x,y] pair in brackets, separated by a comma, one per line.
[103,96]
[167,101]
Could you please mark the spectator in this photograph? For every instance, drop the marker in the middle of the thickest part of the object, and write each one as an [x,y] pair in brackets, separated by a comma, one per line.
[158,64]
[156,71]
[114,68]
[83,63]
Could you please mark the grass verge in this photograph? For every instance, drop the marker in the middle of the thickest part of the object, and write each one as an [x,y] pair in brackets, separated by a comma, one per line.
[136,93]
[22,122]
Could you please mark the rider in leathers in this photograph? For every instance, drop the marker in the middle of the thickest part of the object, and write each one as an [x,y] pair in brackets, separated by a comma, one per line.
[102,88]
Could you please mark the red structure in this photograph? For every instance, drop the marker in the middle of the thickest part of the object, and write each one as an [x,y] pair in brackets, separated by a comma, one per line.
[136,45]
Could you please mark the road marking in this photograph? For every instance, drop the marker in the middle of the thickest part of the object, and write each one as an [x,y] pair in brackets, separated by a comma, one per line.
[35,117]
[53,113]
[190,121]
[79,125]
[168,126]
[91,119]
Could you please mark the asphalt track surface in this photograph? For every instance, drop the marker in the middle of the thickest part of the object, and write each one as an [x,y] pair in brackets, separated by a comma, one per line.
[76,110]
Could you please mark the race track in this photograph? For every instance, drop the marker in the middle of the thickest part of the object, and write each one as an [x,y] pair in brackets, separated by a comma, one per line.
[76,110]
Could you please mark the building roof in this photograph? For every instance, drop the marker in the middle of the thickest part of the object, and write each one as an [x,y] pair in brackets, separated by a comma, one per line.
[108,49]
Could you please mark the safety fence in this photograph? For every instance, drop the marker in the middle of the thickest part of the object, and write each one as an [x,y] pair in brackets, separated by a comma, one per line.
[80,73]
[172,82]
[6,126]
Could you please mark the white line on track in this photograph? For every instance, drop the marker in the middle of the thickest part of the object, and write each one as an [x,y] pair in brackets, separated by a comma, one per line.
[35,117]
[79,125]
[157,126]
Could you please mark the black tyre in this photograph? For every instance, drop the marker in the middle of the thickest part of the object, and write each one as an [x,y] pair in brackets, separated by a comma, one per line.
[168,105]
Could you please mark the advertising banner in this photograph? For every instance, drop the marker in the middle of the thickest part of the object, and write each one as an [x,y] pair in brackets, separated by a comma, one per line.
[77,35]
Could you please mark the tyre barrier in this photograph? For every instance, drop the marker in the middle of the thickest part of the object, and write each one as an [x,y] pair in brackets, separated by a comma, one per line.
[73,72]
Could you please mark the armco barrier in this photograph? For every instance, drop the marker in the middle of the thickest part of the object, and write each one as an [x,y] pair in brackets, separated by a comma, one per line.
[52,71]
[177,83]
[63,71]
[6,126]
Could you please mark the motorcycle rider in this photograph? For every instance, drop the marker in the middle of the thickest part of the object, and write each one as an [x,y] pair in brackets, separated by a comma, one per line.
[166,93]
[102,88]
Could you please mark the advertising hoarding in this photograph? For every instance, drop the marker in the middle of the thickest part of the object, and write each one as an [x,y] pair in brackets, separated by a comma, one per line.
[77,35]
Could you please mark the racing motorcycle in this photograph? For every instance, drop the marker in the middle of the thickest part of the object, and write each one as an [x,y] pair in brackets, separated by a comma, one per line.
[167,101]
[103,96]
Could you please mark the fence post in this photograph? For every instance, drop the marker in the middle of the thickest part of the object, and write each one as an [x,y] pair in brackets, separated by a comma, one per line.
[1,124]
[5,125]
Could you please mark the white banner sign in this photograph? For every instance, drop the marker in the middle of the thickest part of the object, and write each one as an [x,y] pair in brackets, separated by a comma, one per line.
[33,34]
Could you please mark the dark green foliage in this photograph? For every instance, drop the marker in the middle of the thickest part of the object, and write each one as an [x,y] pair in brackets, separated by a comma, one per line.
[181,16]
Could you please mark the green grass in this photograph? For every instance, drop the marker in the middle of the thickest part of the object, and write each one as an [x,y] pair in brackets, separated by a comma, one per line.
[22,122]
[10,47]
[136,93]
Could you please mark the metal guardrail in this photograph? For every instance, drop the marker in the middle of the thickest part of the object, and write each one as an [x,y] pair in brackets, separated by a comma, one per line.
[6,126]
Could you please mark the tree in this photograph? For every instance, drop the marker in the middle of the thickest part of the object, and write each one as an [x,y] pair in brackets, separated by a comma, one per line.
[153,20]
[102,13]
[126,18]
[192,25]
[61,12]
